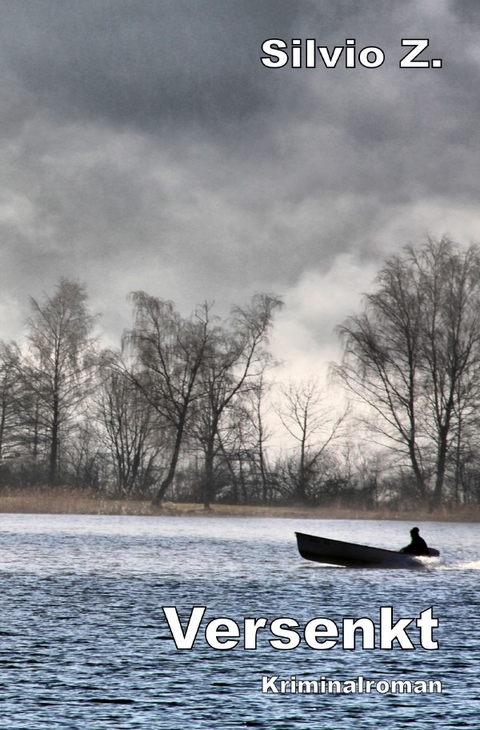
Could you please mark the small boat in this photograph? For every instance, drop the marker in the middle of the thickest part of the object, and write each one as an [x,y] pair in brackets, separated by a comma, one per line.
[350,555]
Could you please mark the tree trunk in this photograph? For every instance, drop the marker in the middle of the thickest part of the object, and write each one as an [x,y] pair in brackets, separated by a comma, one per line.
[208,490]
[440,477]
[419,480]
[52,478]
[166,483]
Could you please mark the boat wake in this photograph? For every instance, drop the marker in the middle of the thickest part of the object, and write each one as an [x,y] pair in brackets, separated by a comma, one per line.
[474,565]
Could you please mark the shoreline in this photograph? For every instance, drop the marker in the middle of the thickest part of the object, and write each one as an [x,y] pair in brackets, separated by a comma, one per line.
[62,502]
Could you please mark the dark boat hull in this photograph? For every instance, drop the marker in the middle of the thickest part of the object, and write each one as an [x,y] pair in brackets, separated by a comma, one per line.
[350,555]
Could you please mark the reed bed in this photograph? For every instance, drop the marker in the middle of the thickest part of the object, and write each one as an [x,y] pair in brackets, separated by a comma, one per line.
[36,501]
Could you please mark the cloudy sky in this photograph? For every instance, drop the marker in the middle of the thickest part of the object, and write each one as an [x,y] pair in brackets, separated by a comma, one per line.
[144,145]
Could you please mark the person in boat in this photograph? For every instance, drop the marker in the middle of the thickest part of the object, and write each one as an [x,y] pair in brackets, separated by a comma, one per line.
[417,546]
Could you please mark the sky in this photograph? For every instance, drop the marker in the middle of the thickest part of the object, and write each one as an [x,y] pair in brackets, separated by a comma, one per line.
[144,145]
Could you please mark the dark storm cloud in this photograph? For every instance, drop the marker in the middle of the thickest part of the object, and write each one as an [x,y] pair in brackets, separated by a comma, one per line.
[157,65]
[141,63]
[151,63]
[468,11]
[146,146]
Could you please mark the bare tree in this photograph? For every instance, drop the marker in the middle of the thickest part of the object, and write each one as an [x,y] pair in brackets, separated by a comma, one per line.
[234,363]
[10,398]
[381,362]
[413,355]
[306,414]
[57,368]
[168,351]
[130,428]
[450,348]
[256,434]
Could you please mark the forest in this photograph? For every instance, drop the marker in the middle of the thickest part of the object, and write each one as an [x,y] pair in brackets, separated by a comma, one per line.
[191,408]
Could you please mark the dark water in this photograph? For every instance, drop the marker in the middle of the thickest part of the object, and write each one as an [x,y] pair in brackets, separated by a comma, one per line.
[84,642]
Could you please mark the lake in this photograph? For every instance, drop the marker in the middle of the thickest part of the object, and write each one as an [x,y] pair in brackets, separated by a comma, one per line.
[84,641]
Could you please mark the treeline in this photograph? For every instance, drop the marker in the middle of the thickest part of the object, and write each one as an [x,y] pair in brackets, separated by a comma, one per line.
[189,409]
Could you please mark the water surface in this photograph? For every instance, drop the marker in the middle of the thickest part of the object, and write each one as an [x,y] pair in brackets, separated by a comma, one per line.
[84,642]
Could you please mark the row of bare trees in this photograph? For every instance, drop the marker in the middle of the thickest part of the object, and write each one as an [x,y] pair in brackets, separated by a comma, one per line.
[412,359]
[45,384]
[182,409]
[195,373]
[187,408]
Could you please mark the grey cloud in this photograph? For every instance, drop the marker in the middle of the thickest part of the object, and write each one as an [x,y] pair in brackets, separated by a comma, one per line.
[145,146]
[141,63]
[147,64]
[467,11]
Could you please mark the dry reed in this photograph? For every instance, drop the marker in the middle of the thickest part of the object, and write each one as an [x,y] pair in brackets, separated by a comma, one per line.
[36,501]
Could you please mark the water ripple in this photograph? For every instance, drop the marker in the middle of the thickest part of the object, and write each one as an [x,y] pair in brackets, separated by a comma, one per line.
[84,642]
